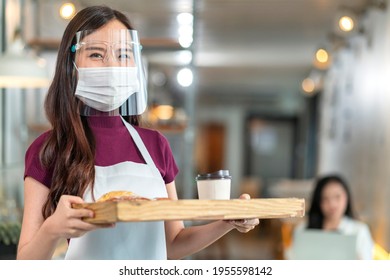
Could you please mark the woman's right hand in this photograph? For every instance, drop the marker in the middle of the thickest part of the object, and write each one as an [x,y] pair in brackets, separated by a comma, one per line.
[67,222]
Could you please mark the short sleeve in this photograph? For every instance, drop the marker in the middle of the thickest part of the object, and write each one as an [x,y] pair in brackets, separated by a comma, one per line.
[171,169]
[33,167]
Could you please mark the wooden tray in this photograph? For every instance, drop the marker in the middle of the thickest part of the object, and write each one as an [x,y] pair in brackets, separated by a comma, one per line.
[194,209]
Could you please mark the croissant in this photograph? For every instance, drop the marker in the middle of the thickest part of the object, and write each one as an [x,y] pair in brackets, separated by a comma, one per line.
[120,195]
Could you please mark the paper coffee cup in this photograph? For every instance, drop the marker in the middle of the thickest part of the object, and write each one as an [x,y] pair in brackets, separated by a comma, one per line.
[214,185]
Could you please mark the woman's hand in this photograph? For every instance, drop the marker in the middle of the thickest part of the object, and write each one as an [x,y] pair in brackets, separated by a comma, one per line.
[244,225]
[67,222]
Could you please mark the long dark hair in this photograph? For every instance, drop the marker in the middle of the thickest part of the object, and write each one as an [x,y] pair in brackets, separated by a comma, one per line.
[316,217]
[70,148]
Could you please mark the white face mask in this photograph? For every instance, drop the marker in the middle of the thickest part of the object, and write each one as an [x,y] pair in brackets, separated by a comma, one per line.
[106,88]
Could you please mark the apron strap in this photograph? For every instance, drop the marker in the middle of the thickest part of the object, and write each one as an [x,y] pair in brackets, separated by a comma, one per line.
[141,146]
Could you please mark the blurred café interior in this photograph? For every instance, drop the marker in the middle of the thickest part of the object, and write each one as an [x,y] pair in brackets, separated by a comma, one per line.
[277,92]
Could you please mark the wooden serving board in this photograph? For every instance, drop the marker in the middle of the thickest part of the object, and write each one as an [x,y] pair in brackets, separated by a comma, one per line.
[193,209]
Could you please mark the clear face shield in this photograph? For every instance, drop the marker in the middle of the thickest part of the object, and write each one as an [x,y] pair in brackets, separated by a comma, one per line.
[111,80]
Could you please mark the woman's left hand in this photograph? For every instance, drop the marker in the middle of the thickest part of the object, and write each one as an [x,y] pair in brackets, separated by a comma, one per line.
[244,225]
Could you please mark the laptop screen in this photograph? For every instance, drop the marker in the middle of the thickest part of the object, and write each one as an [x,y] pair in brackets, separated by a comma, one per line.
[312,244]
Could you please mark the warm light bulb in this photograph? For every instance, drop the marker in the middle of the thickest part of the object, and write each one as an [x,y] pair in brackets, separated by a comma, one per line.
[322,56]
[67,10]
[164,112]
[308,85]
[346,23]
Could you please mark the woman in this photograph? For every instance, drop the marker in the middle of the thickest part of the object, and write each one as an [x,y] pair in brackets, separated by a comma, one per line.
[331,210]
[95,146]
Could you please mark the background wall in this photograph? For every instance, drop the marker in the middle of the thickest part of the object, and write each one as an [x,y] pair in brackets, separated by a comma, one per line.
[354,134]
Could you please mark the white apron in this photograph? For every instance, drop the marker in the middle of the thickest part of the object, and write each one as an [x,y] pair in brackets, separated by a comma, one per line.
[127,240]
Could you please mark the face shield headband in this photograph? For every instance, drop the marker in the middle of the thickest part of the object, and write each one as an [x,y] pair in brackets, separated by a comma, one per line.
[111,79]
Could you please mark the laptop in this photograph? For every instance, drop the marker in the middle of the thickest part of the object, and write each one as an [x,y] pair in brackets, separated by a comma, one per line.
[313,244]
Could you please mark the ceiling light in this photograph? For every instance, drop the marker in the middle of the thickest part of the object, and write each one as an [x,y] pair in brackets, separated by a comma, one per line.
[185,18]
[185,29]
[313,83]
[158,78]
[185,36]
[185,42]
[346,23]
[185,77]
[322,56]
[308,86]
[185,56]
[67,10]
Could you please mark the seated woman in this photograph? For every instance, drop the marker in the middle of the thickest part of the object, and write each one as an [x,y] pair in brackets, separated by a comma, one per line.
[331,210]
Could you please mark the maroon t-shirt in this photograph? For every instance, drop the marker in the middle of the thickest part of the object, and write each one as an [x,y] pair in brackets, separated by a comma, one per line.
[113,145]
